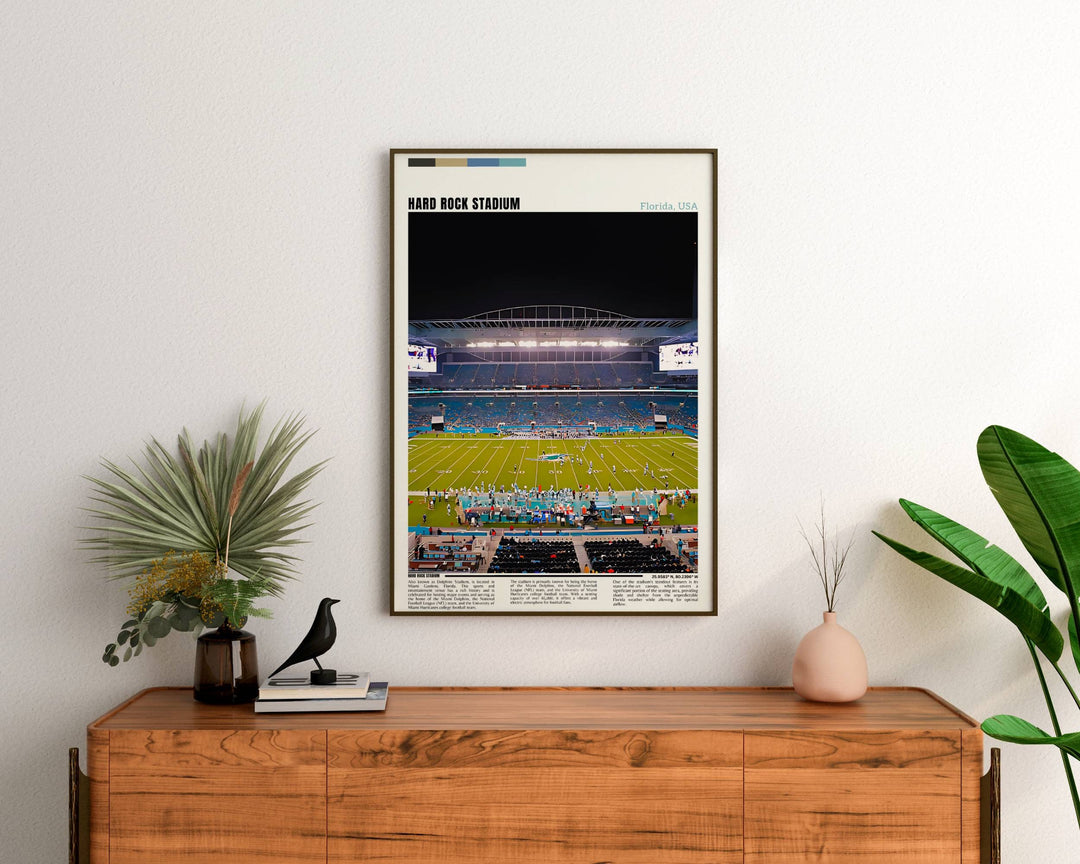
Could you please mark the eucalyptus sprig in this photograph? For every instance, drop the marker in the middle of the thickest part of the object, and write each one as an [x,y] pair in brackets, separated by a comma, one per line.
[829,567]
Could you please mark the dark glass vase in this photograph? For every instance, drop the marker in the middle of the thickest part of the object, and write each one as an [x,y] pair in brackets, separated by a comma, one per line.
[226,667]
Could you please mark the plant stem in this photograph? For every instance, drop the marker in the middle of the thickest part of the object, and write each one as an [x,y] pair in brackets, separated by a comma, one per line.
[1065,681]
[228,537]
[1057,726]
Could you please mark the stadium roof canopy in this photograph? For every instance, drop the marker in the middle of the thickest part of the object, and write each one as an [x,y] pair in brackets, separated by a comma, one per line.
[551,322]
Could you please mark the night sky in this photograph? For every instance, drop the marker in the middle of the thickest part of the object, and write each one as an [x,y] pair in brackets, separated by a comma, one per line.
[637,264]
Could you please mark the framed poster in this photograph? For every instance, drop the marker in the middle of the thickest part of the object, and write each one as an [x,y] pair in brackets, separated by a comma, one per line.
[553,382]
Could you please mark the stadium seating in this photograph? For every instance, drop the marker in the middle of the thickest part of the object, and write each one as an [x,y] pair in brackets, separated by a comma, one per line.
[490,409]
[534,556]
[543,375]
[631,556]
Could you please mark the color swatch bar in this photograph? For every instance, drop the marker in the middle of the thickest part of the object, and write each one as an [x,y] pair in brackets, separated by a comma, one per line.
[466,162]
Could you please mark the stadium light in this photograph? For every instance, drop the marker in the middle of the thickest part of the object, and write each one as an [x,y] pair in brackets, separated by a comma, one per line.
[568,342]
[527,343]
[612,343]
[507,344]
[591,343]
[479,344]
[548,343]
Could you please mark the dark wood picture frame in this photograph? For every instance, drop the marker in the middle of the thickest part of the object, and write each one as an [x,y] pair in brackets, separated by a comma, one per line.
[588,183]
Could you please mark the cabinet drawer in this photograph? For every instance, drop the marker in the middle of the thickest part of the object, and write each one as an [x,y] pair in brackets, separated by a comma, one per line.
[636,797]
[216,796]
[870,797]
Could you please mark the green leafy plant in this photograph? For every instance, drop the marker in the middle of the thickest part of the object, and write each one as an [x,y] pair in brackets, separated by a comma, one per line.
[1040,494]
[227,505]
[236,598]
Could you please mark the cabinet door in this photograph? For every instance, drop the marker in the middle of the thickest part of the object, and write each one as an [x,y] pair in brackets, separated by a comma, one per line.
[848,797]
[536,797]
[217,796]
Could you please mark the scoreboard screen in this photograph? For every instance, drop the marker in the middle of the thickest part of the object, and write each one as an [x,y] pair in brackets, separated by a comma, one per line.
[678,355]
[422,358]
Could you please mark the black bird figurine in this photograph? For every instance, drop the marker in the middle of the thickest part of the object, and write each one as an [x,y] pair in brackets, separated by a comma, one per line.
[320,639]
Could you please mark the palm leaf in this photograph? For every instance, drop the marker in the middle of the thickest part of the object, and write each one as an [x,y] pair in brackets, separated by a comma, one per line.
[206,495]
[1016,730]
[1032,621]
[171,503]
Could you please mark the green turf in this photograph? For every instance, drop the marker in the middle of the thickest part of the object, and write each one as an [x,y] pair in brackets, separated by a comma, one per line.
[437,517]
[461,461]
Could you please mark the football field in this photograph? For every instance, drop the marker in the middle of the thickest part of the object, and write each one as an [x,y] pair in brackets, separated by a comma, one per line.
[446,461]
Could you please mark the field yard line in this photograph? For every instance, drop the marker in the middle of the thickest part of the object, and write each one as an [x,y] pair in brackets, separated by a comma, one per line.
[596,471]
[679,458]
[509,447]
[615,451]
[520,460]
[423,442]
[489,448]
[671,472]
[577,482]
[536,480]
[433,454]
[431,463]
[454,483]
[435,479]
[425,466]
[492,448]
[685,444]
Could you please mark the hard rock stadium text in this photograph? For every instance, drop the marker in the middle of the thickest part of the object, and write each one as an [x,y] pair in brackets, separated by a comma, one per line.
[465,203]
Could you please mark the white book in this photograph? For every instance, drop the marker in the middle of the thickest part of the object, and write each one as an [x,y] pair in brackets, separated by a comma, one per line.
[296,687]
[374,700]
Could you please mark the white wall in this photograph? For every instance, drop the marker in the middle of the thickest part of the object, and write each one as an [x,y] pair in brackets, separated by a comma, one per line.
[194,212]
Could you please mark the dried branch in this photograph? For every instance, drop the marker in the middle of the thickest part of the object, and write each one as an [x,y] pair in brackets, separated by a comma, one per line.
[829,568]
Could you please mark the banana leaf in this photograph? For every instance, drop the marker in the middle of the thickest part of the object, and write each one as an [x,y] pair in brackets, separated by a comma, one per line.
[1074,642]
[1016,730]
[1032,621]
[988,561]
[1040,494]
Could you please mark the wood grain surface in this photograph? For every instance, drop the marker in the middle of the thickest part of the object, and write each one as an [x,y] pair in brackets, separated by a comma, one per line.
[841,797]
[733,708]
[971,771]
[636,797]
[483,775]
[209,796]
[97,769]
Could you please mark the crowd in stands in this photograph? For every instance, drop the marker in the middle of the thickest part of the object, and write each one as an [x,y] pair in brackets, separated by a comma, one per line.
[490,410]
[482,376]
[534,556]
[631,556]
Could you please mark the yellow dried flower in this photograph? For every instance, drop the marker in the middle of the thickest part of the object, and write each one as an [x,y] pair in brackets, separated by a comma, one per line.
[190,576]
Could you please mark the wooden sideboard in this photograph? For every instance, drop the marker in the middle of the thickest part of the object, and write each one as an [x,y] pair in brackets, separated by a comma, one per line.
[540,775]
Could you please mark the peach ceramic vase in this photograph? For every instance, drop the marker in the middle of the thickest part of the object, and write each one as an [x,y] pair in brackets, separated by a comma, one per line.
[830,665]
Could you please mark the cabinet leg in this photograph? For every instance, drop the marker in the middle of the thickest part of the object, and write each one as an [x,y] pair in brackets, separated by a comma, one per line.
[78,811]
[991,810]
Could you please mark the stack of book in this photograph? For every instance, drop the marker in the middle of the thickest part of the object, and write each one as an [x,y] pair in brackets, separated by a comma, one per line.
[350,693]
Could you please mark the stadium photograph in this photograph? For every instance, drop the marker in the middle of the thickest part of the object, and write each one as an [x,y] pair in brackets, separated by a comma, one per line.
[552,393]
